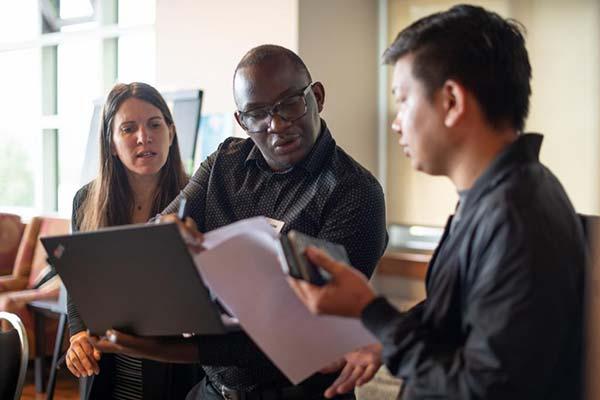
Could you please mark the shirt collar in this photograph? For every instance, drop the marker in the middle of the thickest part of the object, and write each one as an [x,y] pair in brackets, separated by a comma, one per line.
[311,163]
[523,150]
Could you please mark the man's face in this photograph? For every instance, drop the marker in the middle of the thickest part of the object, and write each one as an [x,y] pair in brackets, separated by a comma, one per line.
[282,143]
[419,120]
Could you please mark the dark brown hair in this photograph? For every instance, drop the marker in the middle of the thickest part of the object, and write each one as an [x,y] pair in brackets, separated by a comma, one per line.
[109,200]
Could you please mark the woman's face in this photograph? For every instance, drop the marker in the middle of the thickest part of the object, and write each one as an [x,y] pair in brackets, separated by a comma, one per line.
[141,137]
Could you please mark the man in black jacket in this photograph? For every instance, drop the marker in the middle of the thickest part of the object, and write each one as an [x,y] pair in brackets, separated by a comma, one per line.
[503,314]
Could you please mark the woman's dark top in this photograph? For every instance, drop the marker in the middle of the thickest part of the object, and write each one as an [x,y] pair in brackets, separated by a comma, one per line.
[125,377]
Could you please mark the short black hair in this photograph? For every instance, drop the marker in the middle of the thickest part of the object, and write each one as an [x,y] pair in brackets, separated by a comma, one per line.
[268,52]
[480,49]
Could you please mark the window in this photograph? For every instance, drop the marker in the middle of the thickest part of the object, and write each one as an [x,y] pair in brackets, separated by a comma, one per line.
[58,57]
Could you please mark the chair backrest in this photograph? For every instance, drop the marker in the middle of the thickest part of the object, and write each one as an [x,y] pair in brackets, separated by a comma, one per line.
[29,239]
[48,227]
[11,231]
[14,353]
[31,257]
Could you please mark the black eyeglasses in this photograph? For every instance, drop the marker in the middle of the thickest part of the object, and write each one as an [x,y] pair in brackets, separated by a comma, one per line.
[289,109]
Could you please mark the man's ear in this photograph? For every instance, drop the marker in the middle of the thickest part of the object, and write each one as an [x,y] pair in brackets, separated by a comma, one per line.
[454,98]
[319,92]
[237,119]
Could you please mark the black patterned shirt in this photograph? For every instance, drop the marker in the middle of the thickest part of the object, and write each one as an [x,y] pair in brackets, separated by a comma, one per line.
[327,195]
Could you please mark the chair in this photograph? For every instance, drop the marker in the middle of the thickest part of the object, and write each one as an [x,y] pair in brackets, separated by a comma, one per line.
[42,309]
[11,231]
[14,354]
[29,266]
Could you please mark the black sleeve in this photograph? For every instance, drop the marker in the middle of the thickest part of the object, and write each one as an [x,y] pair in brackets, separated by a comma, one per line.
[234,348]
[355,218]
[511,301]
[76,323]
[195,192]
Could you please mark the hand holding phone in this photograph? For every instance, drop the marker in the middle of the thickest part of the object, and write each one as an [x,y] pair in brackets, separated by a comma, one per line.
[294,245]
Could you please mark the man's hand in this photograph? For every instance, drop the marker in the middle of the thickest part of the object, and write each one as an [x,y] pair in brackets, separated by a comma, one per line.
[347,294]
[174,350]
[360,367]
[188,230]
[82,358]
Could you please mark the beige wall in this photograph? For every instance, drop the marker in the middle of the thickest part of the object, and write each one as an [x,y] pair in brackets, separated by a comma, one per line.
[338,41]
[563,42]
[200,42]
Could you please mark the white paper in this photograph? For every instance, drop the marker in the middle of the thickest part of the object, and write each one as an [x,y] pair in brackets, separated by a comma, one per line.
[250,225]
[244,271]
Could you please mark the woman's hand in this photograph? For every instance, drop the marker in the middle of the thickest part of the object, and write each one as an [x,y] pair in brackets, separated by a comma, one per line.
[82,357]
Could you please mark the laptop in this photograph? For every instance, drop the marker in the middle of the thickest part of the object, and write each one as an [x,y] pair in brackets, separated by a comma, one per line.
[139,279]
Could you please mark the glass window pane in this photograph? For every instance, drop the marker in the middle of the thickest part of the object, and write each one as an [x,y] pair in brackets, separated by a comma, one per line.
[137,12]
[19,21]
[137,61]
[75,8]
[20,133]
[79,84]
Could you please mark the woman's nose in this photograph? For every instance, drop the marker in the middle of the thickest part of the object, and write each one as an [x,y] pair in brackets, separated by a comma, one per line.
[143,136]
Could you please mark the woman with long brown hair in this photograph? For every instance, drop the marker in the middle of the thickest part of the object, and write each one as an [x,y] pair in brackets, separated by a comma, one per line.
[140,174]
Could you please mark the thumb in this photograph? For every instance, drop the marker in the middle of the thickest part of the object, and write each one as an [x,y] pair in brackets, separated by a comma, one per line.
[320,258]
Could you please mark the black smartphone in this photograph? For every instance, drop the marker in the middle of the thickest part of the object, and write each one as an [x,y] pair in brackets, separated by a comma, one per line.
[294,246]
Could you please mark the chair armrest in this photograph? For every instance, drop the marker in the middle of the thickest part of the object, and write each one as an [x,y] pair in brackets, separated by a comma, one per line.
[10,283]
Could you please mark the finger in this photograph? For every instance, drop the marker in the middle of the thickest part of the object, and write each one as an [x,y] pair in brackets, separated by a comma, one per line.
[167,219]
[71,367]
[320,258]
[76,364]
[294,284]
[350,382]
[87,347]
[84,359]
[342,377]
[191,224]
[367,375]
[97,354]
[309,294]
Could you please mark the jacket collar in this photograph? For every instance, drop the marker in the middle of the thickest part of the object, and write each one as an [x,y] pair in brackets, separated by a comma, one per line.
[524,150]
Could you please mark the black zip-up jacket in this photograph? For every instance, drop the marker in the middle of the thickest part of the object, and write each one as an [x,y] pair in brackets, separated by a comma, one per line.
[503,314]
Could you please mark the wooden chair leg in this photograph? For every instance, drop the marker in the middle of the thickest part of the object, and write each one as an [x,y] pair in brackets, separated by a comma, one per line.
[60,334]
[40,347]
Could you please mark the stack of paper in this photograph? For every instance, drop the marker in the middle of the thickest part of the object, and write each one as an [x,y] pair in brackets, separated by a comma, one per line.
[242,264]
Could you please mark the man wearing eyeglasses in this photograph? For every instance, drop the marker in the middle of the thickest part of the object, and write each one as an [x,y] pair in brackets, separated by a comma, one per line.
[290,170]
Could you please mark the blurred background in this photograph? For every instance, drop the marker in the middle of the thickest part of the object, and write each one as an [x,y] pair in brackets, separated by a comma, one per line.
[59,56]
